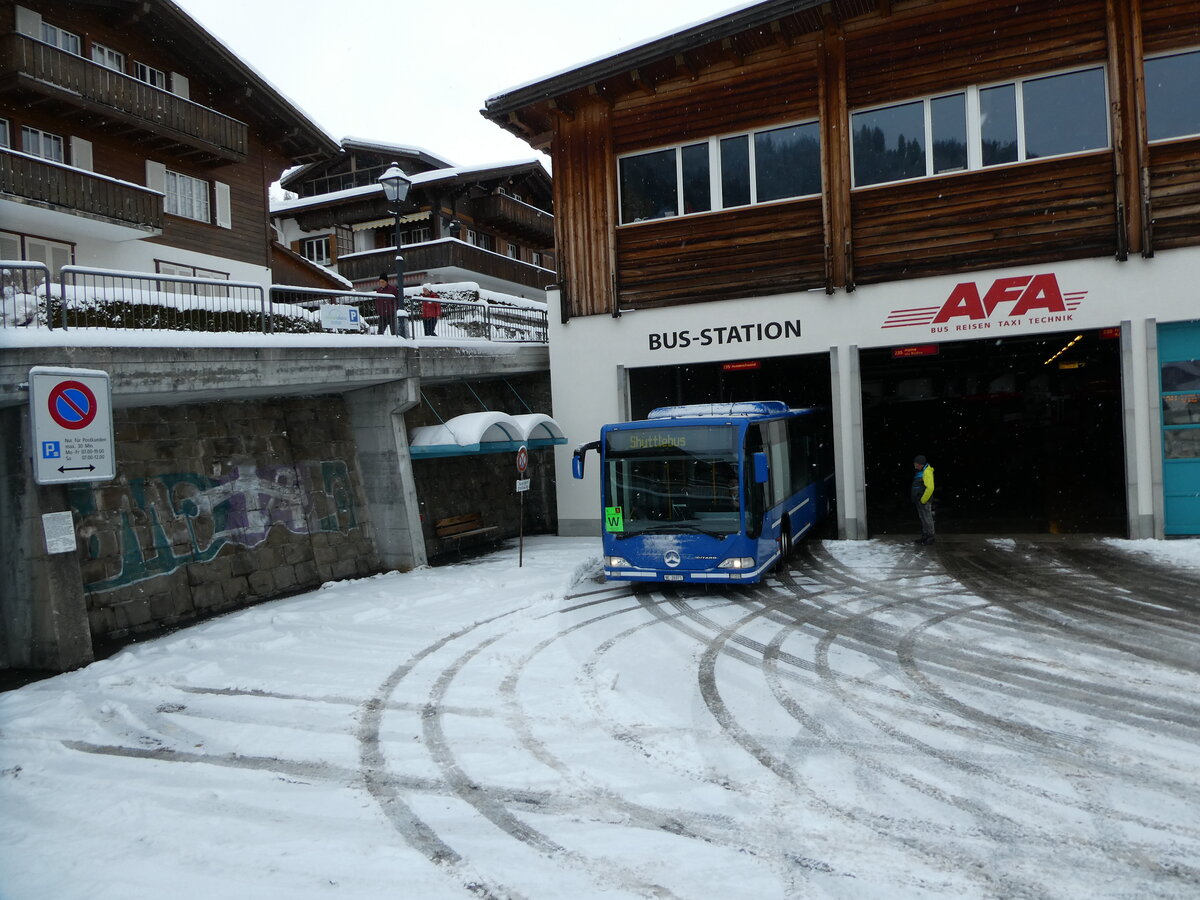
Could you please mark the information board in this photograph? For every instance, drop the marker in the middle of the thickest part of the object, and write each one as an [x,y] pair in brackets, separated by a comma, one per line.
[71,415]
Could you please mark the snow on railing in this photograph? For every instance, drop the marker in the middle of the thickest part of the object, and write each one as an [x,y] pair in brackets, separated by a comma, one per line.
[86,298]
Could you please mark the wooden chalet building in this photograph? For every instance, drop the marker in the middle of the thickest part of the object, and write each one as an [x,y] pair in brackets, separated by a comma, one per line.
[131,139]
[972,228]
[488,224]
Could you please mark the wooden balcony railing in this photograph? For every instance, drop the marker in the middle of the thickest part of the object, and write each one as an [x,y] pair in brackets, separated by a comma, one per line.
[513,216]
[63,188]
[445,254]
[75,81]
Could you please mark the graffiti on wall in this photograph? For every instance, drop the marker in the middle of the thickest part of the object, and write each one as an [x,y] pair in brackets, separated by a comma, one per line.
[179,519]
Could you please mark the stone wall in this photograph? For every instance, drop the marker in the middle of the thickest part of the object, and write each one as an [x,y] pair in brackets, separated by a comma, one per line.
[218,505]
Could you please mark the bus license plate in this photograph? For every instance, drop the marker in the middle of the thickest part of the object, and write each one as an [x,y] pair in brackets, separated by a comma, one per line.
[672,578]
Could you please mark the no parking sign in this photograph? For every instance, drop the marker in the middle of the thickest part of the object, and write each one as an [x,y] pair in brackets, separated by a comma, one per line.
[71,415]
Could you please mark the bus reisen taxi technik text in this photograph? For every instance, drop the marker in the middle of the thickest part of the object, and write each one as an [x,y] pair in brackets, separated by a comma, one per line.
[711,493]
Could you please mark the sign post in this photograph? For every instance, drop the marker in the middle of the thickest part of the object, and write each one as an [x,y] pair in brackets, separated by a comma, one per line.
[522,488]
[71,415]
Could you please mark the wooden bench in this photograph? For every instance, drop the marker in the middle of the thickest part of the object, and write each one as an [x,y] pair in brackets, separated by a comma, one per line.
[456,529]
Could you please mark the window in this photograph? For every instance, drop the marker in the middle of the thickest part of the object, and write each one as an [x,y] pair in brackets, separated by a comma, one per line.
[513,250]
[4,139]
[55,254]
[183,287]
[187,197]
[1172,102]
[58,37]
[787,162]
[108,57]
[1034,118]
[721,173]
[1181,409]
[316,250]
[487,242]
[418,235]
[536,258]
[1065,114]
[42,143]
[143,72]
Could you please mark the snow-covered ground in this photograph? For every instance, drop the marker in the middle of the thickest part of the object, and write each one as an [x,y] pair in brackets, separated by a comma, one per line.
[997,719]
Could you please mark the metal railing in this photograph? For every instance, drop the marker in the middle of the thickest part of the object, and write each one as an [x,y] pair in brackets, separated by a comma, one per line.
[86,298]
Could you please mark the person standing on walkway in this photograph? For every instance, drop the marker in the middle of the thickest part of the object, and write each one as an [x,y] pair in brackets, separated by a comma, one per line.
[431,310]
[922,496]
[386,307]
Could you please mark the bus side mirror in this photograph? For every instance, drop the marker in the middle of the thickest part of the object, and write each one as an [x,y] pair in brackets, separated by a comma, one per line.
[761,472]
[580,453]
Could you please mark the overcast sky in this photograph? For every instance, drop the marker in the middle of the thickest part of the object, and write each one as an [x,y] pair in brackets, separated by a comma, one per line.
[416,72]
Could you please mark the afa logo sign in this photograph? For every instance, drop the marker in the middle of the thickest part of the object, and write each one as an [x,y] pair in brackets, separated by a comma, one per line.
[1006,302]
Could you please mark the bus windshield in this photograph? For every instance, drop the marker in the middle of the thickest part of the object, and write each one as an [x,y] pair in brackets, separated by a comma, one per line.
[673,480]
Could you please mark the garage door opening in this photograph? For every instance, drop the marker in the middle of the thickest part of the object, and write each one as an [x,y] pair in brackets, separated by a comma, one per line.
[798,381]
[1024,434]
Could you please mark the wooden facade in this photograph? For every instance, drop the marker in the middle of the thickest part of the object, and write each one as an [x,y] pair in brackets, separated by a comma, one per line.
[501,215]
[778,63]
[208,118]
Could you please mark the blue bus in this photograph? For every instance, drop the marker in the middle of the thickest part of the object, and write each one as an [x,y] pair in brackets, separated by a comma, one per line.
[711,493]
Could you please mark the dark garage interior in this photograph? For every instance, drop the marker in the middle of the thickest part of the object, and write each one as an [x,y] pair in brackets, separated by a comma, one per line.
[1024,434]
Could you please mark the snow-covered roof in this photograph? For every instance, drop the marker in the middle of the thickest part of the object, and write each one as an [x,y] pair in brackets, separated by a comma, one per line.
[484,432]
[433,176]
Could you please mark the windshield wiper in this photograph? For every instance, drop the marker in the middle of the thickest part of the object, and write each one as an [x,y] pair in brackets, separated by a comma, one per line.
[681,526]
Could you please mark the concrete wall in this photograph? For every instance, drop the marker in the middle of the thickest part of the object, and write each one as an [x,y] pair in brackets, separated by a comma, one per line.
[243,473]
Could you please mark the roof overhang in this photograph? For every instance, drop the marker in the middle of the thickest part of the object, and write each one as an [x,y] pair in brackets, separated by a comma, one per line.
[484,432]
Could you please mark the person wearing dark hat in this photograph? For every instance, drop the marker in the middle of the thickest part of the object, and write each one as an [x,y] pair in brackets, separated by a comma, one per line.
[386,307]
[922,494]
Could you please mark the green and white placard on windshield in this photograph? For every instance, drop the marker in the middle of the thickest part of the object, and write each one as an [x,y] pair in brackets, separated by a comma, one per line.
[614,518]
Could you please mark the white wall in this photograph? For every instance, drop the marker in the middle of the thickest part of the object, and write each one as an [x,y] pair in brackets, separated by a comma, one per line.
[586,352]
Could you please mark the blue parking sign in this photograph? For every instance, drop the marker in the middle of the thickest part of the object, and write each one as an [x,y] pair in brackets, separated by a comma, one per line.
[51,450]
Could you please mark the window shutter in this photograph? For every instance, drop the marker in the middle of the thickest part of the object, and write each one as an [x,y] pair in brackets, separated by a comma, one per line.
[224,207]
[29,22]
[156,176]
[81,153]
[179,86]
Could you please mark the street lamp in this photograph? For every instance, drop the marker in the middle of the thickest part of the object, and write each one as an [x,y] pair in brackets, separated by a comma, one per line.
[395,188]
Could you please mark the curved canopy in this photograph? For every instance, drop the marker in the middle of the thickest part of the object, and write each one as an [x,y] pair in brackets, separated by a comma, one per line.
[484,432]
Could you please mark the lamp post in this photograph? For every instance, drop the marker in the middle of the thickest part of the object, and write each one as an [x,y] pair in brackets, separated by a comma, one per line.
[395,188]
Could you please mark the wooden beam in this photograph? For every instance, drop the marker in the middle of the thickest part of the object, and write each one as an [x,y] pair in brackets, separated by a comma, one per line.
[738,57]
[641,83]
[563,107]
[1128,124]
[601,92]
[684,62]
[782,38]
[835,157]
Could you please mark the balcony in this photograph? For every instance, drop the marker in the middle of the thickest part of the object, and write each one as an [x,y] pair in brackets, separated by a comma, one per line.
[52,186]
[513,216]
[44,75]
[452,260]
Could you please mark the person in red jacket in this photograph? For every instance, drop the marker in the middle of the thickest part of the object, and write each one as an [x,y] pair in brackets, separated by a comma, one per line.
[922,494]
[431,310]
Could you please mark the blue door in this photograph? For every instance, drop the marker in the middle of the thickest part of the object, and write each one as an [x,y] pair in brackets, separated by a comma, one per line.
[1179,359]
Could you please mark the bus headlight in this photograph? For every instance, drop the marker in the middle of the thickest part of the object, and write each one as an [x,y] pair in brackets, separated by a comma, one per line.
[616,562]
[737,562]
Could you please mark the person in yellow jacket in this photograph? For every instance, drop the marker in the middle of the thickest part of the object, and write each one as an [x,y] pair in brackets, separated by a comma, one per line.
[922,494]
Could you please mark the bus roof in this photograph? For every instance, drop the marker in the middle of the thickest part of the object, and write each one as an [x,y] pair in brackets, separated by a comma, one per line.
[746,408]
